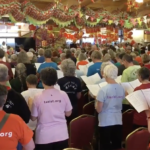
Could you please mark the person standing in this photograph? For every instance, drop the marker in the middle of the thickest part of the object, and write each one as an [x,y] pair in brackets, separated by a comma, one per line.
[130,73]
[49,108]
[109,106]
[15,103]
[12,128]
[4,47]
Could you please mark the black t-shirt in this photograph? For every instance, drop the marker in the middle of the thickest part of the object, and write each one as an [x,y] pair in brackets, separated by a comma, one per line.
[31,69]
[121,68]
[74,59]
[16,104]
[19,85]
[71,85]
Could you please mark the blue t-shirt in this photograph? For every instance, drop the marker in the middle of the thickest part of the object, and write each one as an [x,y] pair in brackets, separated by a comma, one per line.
[95,68]
[45,65]
[40,59]
[111,96]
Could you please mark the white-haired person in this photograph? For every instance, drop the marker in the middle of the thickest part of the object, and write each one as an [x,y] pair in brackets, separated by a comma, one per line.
[34,59]
[23,58]
[70,84]
[109,105]
[81,60]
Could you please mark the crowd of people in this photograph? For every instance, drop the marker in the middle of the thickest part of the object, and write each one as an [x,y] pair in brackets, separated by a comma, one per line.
[31,107]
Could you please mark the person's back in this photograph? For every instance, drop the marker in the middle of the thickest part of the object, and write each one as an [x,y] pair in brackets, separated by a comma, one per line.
[15,130]
[49,109]
[139,119]
[48,63]
[112,105]
[40,59]
[12,128]
[95,68]
[130,73]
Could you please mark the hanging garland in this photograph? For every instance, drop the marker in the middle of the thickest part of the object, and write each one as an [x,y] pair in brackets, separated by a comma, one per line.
[81,17]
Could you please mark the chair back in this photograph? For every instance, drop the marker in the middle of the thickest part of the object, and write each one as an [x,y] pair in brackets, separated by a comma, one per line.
[81,131]
[89,108]
[138,139]
[127,123]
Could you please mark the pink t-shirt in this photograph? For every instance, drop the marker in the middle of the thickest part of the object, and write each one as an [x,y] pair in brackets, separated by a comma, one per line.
[50,107]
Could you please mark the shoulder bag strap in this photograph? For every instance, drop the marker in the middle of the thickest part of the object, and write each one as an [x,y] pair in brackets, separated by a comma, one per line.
[3,121]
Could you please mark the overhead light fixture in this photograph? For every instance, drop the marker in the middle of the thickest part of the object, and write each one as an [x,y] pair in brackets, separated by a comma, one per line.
[139,1]
[19,24]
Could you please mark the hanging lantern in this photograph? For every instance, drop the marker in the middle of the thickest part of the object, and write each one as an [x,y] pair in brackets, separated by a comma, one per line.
[51,35]
[32,27]
[44,43]
[49,27]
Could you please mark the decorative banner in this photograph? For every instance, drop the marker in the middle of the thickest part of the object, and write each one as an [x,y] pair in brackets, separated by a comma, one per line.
[74,15]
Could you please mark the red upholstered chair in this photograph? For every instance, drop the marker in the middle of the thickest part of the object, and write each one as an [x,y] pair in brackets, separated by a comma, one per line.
[127,123]
[82,131]
[138,139]
[89,108]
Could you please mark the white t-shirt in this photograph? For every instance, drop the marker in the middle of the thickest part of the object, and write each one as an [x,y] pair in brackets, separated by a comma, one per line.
[31,92]
[4,48]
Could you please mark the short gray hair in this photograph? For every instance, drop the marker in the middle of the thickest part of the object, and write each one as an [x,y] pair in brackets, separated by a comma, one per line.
[82,57]
[23,57]
[30,54]
[32,50]
[68,67]
[106,58]
[96,55]
[3,73]
[62,56]
[47,53]
[14,58]
[77,53]
[41,51]
[111,71]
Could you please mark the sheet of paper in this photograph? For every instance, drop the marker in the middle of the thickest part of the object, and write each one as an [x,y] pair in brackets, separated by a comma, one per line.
[86,80]
[37,65]
[60,74]
[118,79]
[84,69]
[94,78]
[57,87]
[135,83]
[146,94]
[13,71]
[94,89]
[59,67]
[137,100]
[103,84]
[127,87]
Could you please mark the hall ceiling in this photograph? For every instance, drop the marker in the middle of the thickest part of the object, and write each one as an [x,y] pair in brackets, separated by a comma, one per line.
[109,5]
